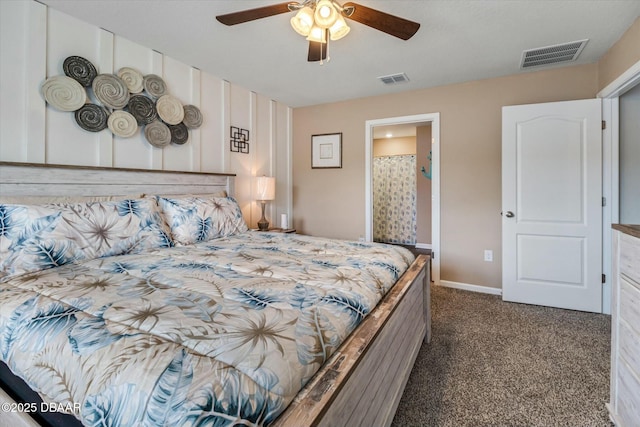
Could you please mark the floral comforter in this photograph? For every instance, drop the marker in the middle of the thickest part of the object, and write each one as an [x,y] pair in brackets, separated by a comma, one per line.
[214,334]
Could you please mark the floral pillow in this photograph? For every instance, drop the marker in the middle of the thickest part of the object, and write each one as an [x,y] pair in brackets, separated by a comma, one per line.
[196,219]
[37,237]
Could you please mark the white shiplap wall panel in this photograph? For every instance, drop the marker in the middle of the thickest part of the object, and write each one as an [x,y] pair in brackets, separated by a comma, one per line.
[12,103]
[23,46]
[226,123]
[262,144]
[282,160]
[12,85]
[36,65]
[66,142]
[213,144]
[177,77]
[34,41]
[242,109]
[105,138]
[195,134]
[134,152]
[157,64]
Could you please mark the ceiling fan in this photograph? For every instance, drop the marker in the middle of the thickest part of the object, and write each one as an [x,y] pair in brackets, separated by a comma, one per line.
[323,20]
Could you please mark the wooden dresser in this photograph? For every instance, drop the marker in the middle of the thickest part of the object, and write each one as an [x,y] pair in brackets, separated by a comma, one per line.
[624,407]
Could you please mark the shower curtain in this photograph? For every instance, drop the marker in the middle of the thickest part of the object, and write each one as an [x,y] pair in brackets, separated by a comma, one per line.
[394,199]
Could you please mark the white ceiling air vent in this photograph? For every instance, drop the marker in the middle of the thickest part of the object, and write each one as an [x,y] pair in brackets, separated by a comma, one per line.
[564,52]
[394,78]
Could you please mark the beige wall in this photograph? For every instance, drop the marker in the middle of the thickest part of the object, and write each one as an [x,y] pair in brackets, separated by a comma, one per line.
[394,146]
[622,55]
[331,202]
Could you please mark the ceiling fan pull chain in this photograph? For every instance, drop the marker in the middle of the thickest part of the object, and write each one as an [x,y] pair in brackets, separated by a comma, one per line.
[326,46]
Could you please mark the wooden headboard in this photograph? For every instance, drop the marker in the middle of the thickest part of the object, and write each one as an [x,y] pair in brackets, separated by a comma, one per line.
[34,179]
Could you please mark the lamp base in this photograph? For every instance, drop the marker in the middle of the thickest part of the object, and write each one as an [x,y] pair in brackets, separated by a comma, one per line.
[263,224]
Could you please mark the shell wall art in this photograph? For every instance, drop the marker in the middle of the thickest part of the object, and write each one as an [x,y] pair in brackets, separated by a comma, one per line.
[126,101]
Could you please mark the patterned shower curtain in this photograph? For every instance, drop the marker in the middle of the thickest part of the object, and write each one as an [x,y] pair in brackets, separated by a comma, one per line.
[394,199]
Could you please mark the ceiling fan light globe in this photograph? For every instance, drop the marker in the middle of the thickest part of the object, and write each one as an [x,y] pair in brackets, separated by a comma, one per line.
[339,29]
[317,34]
[326,14]
[303,21]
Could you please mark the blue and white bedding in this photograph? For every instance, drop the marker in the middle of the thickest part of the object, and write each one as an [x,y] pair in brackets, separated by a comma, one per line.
[221,332]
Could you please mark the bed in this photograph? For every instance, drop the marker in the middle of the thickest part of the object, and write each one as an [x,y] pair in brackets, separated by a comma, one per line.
[239,327]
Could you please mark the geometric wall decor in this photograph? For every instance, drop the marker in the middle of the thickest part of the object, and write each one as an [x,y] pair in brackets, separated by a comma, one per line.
[239,140]
[127,100]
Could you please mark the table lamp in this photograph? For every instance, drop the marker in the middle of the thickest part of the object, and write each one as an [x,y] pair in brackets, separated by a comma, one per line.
[265,190]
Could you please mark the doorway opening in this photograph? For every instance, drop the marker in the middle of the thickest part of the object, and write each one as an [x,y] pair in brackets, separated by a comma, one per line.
[421,124]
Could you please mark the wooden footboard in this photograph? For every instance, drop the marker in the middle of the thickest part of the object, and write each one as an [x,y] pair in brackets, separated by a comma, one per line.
[361,384]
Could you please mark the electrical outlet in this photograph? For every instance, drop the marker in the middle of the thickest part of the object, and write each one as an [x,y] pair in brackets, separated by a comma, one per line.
[488,255]
[361,239]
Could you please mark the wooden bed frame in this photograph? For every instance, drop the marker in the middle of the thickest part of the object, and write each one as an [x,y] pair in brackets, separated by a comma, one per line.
[361,384]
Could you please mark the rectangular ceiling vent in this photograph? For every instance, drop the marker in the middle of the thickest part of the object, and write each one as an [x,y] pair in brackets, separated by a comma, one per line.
[394,78]
[564,52]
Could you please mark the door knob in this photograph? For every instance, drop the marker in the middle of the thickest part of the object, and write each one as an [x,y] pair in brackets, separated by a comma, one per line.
[509,214]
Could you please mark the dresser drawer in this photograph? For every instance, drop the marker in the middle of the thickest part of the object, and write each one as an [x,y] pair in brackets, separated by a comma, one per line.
[630,256]
[629,347]
[630,304]
[628,399]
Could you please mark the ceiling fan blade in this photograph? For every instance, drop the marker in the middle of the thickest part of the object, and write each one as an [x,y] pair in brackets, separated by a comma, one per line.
[317,51]
[390,24]
[253,14]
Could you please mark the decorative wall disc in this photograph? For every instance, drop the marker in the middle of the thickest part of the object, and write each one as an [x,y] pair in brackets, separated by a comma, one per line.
[192,117]
[122,124]
[154,85]
[158,134]
[64,93]
[123,105]
[91,117]
[80,70]
[132,78]
[179,133]
[170,109]
[111,91]
[143,109]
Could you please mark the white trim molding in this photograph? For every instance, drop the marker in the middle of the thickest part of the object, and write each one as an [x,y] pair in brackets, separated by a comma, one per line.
[434,119]
[623,83]
[469,287]
[424,246]
[610,171]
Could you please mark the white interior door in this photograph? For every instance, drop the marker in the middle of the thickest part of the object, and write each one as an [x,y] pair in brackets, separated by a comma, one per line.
[552,204]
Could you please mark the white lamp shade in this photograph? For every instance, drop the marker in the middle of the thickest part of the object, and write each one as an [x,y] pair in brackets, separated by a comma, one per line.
[265,188]
[303,21]
[325,14]
[317,34]
[339,29]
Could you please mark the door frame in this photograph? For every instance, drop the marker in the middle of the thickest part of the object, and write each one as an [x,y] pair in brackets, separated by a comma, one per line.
[610,170]
[434,118]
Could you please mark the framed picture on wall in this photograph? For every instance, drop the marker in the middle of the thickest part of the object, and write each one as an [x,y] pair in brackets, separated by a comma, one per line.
[326,150]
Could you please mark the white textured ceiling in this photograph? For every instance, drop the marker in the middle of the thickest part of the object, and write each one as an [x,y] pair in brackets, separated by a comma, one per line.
[459,40]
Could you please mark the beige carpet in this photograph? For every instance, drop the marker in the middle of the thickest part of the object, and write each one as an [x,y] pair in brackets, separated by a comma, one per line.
[492,363]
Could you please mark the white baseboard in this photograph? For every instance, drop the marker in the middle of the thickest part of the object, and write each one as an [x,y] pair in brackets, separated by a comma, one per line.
[472,288]
[424,246]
